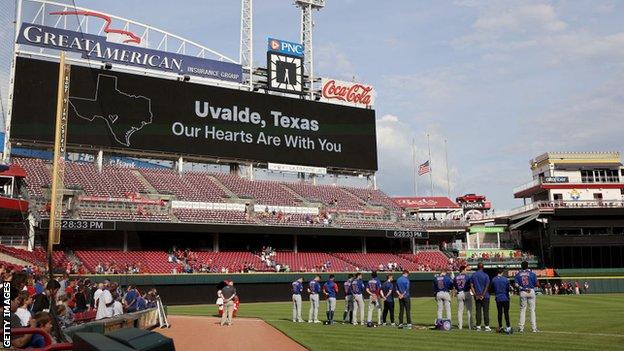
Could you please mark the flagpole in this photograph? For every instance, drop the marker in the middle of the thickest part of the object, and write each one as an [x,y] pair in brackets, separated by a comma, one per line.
[430,165]
[448,178]
[415,167]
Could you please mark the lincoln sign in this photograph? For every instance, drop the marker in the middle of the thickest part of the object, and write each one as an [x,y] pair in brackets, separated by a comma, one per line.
[97,48]
[346,93]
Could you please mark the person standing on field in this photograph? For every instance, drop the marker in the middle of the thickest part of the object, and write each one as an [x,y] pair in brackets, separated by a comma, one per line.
[314,289]
[330,289]
[464,299]
[387,289]
[442,285]
[526,281]
[357,288]
[403,292]
[481,290]
[228,292]
[501,293]
[297,288]
[374,303]
[347,316]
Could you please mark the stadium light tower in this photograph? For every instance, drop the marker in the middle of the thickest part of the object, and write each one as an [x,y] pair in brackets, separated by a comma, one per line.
[307,25]
[246,39]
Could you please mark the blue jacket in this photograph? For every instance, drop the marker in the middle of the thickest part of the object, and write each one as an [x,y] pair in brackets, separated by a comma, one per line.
[373,286]
[462,282]
[501,288]
[403,285]
[315,287]
[480,282]
[357,287]
[330,288]
[297,287]
[442,283]
[388,289]
[527,280]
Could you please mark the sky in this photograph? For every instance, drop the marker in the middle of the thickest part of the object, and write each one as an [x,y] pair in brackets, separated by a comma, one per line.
[499,81]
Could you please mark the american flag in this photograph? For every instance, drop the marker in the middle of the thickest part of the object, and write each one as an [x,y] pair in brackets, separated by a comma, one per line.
[424,168]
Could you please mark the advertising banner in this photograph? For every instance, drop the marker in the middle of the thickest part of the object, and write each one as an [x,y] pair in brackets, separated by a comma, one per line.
[130,113]
[285,47]
[347,93]
[97,48]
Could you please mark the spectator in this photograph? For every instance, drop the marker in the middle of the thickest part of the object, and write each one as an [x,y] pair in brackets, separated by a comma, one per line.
[130,300]
[23,311]
[80,299]
[117,306]
[44,322]
[43,301]
[104,303]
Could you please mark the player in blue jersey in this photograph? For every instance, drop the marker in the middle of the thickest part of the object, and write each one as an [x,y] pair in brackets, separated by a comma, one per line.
[480,286]
[526,281]
[403,292]
[442,285]
[330,289]
[464,299]
[501,289]
[387,289]
[314,289]
[348,311]
[357,289]
[373,288]
[297,288]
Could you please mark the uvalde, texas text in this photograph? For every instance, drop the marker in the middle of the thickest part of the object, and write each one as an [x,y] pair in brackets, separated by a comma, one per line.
[245,115]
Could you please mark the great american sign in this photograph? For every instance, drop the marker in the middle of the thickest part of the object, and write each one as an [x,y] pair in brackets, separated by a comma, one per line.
[96,47]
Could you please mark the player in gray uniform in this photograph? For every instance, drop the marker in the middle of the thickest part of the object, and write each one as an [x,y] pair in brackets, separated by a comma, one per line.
[347,316]
[357,288]
[526,281]
[462,285]
[297,288]
[314,288]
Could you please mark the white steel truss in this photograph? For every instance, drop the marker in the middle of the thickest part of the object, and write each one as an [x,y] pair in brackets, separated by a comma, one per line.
[246,41]
[307,26]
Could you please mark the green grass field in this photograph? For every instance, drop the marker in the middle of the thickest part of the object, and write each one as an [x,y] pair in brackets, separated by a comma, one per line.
[581,322]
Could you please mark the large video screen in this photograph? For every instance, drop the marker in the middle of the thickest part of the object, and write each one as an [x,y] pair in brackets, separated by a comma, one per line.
[127,112]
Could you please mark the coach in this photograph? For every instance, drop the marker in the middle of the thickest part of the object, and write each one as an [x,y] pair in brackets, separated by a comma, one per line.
[480,289]
[403,291]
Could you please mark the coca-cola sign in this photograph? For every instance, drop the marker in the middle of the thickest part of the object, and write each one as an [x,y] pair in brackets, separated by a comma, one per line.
[346,93]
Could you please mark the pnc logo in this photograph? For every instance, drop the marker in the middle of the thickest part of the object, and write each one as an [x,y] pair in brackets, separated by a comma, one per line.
[275,45]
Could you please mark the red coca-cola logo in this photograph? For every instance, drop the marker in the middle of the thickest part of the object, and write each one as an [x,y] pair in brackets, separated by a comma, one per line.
[356,93]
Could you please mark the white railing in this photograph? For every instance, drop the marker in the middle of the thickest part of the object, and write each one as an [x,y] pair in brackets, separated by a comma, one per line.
[526,186]
[549,205]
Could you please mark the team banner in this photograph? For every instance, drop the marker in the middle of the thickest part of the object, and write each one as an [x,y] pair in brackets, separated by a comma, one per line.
[98,48]
[130,113]
[347,93]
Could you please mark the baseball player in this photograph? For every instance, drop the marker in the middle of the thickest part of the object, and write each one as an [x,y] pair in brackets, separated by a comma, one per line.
[330,289]
[526,281]
[501,288]
[374,303]
[348,311]
[442,284]
[297,288]
[357,288]
[387,288]
[480,287]
[403,292]
[462,285]
[314,288]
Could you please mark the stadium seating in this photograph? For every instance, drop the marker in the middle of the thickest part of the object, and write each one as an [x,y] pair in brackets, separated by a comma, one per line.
[371,261]
[263,191]
[149,261]
[309,261]
[36,257]
[433,259]
[191,186]
[212,216]
[331,196]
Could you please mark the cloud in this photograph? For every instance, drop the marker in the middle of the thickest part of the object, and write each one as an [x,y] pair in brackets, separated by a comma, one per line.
[395,144]
[332,61]
[539,16]
[591,121]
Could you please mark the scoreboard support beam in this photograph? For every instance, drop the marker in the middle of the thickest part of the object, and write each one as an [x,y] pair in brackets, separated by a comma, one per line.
[100,160]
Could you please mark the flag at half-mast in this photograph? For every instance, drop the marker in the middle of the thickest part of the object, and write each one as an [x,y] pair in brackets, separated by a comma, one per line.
[424,168]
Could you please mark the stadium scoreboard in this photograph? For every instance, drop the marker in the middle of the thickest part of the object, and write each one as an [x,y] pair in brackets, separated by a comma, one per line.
[132,113]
